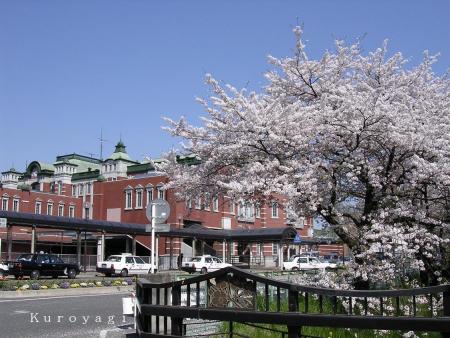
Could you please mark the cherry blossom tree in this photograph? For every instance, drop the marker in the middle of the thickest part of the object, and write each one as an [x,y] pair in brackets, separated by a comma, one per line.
[361,139]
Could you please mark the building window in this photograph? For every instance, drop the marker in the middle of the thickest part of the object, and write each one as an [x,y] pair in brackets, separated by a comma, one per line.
[74,190]
[5,204]
[128,200]
[207,202]
[80,189]
[274,249]
[161,192]
[61,210]
[50,209]
[198,202]
[215,203]
[246,211]
[149,195]
[139,199]
[231,206]
[60,186]
[37,208]
[259,247]
[71,211]
[88,188]
[189,203]
[87,213]
[257,210]
[274,209]
[16,204]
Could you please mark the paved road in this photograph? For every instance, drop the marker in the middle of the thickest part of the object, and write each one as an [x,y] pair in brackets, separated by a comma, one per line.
[68,316]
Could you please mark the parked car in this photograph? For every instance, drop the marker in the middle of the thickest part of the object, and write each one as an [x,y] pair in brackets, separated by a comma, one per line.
[3,270]
[203,264]
[37,265]
[306,263]
[124,265]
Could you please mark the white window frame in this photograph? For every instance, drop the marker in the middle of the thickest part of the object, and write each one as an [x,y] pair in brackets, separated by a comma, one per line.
[5,203]
[160,192]
[246,211]
[149,194]
[74,190]
[128,199]
[38,207]
[49,208]
[61,210]
[274,209]
[231,206]
[139,195]
[215,203]
[198,202]
[207,201]
[16,204]
[71,211]
[189,203]
[257,210]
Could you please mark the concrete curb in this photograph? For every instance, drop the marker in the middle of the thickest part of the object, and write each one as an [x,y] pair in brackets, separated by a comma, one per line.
[67,292]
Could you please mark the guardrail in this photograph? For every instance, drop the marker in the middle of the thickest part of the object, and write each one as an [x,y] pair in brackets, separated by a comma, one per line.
[233,295]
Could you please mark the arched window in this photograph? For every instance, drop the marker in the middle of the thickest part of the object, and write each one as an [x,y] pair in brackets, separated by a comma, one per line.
[128,198]
[139,196]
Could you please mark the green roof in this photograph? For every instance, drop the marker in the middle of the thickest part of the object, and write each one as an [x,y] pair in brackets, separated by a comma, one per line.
[190,159]
[78,157]
[83,163]
[140,168]
[93,174]
[12,170]
[44,168]
[120,153]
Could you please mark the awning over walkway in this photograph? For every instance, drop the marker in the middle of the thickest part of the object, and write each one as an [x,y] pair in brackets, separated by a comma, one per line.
[239,235]
[259,235]
[68,223]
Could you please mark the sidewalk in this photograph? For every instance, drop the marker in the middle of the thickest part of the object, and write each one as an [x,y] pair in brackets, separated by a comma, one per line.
[67,292]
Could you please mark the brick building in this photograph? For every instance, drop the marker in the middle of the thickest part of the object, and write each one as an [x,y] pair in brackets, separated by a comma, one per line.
[119,189]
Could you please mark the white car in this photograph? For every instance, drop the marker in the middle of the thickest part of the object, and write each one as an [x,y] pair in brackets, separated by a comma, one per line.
[203,264]
[3,270]
[306,263]
[124,265]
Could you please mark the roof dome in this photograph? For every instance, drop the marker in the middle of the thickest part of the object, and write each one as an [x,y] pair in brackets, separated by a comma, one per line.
[120,153]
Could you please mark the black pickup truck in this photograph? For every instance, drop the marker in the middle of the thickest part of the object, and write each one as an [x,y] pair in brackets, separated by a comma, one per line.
[36,265]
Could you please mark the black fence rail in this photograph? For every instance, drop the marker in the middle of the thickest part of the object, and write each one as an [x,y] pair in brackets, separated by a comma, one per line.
[232,295]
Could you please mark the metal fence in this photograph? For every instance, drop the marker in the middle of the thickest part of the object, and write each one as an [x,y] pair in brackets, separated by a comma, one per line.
[232,295]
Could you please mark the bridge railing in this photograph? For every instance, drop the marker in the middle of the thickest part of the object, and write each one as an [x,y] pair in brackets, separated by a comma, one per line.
[233,295]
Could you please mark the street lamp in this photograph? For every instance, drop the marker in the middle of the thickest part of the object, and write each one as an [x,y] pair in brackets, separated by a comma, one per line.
[157,212]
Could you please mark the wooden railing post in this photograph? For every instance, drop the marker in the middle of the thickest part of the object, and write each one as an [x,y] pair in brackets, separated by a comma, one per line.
[446,305]
[177,323]
[293,331]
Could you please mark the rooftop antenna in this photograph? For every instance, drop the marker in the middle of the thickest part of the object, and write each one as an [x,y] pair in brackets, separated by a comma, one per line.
[101,139]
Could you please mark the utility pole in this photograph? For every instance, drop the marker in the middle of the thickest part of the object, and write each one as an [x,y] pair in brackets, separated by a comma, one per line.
[101,139]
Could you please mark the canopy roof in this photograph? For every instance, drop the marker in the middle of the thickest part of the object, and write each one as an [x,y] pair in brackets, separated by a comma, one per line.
[285,234]
[245,235]
[68,223]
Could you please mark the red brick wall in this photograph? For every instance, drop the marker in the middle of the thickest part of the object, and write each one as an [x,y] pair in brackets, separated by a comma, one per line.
[28,201]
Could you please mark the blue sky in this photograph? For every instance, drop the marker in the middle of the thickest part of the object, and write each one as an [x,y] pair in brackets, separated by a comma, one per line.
[71,68]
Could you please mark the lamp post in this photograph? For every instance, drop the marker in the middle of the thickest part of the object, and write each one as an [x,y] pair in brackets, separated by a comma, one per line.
[157,212]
